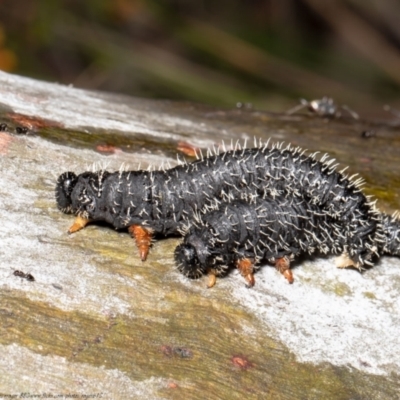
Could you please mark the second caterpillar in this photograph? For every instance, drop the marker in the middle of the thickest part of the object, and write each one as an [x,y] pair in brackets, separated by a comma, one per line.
[242,234]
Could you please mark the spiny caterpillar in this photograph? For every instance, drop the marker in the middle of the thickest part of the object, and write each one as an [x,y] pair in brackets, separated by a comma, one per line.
[242,234]
[160,202]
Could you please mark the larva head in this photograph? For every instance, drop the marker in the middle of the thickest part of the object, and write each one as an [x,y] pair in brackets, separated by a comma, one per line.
[188,262]
[191,257]
[65,185]
[82,194]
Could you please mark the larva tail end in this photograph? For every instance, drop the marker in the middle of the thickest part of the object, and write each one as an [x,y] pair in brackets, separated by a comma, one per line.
[65,184]
[391,232]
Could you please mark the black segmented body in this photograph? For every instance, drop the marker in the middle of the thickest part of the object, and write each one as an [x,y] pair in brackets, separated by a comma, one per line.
[391,231]
[265,229]
[162,200]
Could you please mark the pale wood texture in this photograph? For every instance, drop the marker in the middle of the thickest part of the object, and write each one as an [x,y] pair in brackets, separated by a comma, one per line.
[98,321]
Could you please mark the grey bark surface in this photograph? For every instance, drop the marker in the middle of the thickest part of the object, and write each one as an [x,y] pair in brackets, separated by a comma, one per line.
[98,322]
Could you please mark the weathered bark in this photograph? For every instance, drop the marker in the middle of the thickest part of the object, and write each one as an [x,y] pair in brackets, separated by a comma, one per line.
[97,320]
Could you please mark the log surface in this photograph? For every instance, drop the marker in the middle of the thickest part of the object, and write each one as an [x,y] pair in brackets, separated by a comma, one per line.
[98,322]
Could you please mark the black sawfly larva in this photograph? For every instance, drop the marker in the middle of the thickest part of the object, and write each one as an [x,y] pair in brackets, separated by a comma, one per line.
[243,234]
[159,202]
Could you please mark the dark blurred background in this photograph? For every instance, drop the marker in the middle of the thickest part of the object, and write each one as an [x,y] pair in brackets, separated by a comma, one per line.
[268,53]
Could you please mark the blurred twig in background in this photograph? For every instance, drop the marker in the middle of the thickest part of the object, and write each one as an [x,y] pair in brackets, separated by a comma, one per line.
[365,38]
[268,53]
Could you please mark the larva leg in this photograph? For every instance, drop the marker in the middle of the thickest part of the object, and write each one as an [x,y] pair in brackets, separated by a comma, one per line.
[344,261]
[283,266]
[78,224]
[142,238]
[212,278]
[246,268]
